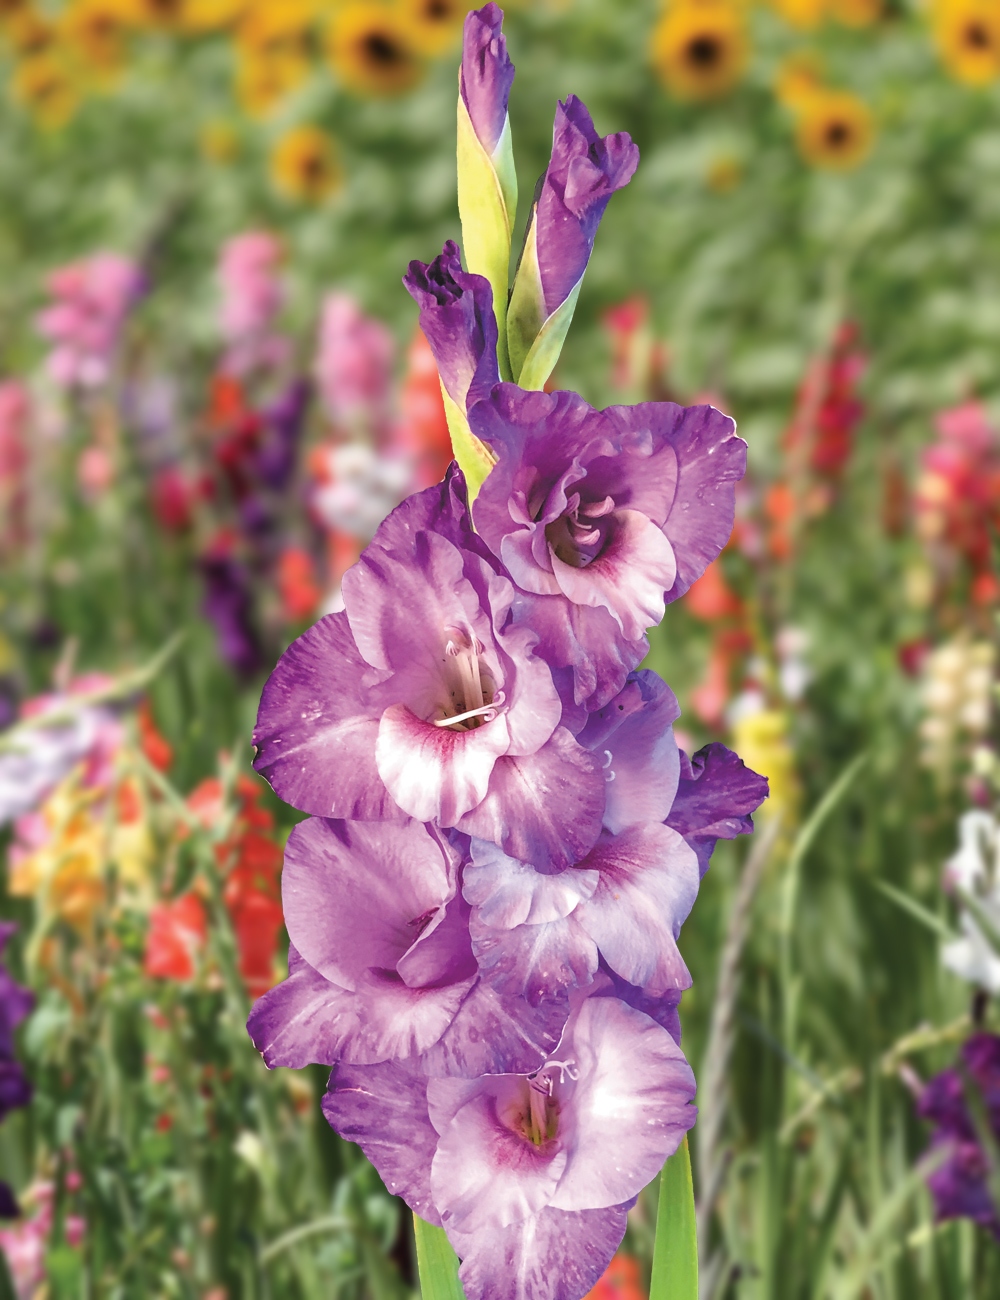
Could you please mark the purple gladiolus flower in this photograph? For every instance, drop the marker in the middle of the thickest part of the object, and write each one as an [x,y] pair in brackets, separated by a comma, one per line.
[960,1187]
[486,75]
[228,606]
[381,964]
[602,516]
[15,1090]
[530,1175]
[456,316]
[583,173]
[424,699]
[716,794]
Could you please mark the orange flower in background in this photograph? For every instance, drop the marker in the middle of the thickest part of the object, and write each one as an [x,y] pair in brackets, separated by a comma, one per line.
[371,50]
[620,1281]
[711,597]
[177,934]
[156,748]
[304,164]
[779,509]
[297,586]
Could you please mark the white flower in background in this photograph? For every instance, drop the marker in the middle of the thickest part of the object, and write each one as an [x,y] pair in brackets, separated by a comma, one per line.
[794,673]
[956,694]
[361,488]
[975,871]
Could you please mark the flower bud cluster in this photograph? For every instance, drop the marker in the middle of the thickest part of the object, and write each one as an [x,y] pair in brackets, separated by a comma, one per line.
[504,838]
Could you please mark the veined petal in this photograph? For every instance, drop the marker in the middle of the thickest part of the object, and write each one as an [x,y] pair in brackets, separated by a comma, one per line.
[507,893]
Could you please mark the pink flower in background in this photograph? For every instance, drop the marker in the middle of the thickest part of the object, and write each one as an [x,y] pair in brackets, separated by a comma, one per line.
[24,1243]
[252,298]
[15,409]
[91,300]
[354,364]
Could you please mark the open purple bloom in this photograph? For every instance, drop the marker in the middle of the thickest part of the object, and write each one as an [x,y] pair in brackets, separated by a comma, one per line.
[530,1175]
[602,516]
[960,1186]
[381,965]
[424,699]
[456,316]
[486,75]
[716,794]
[585,169]
[15,1004]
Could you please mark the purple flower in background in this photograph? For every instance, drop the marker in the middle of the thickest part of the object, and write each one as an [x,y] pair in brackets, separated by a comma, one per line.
[228,606]
[381,964]
[961,1186]
[486,75]
[15,1090]
[716,794]
[530,1175]
[601,516]
[456,316]
[584,171]
[422,698]
[276,453]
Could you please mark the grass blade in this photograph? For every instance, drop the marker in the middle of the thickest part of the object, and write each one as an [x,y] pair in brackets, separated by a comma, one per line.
[675,1252]
[437,1263]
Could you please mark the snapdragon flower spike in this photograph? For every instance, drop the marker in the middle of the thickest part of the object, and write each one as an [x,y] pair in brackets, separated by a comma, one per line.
[487,179]
[456,316]
[601,517]
[583,173]
[423,699]
[380,963]
[530,1175]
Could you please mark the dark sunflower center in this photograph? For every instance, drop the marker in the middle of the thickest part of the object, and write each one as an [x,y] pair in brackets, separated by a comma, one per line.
[838,134]
[380,49]
[437,11]
[704,52]
[977,36]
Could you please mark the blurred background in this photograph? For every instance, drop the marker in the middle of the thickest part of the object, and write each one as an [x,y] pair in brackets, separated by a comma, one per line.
[212,389]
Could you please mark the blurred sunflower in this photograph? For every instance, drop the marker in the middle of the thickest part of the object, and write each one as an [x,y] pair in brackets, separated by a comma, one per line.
[262,81]
[700,47]
[856,13]
[274,45]
[94,31]
[213,15]
[806,15]
[304,164]
[433,25]
[799,77]
[47,89]
[967,33]
[835,130]
[371,49]
[29,34]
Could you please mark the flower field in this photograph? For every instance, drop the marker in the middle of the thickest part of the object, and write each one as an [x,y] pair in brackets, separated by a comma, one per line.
[215,387]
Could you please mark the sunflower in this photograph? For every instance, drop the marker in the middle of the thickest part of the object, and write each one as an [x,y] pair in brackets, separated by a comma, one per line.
[799,77]
[700,48]
[835,130]
[371,50]
[806,15]
[47,89]
[29,34]
[283,30]
[263,80]
[94,32]
[967,33]
[856,13]
[433,25]
[169,14]
[304,164]
[213,15]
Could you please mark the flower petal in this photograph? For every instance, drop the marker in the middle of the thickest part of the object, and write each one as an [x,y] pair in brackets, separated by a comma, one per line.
[507,893]
[716,794]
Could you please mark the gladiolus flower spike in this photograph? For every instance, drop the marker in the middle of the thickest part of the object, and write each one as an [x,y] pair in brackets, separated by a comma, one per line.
[504,838]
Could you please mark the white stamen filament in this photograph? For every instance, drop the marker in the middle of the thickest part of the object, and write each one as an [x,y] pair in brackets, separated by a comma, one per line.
[487,712]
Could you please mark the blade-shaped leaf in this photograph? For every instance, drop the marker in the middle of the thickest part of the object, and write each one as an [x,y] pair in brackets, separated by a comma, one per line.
[675,1252]
[437,1263]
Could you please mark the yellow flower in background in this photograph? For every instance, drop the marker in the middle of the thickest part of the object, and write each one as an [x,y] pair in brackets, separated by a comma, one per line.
[304,164]
[700,47]
[856,13]
[433,25]
[835,130]
[213,15]
[94,32]
[262,81]
[761,739]
[281,30]
[47,89]
[724,174]
[29,34]
[169,14]
[806,15]
[371,50]
[219,142]
[799,78]
[65,875]
[967,33]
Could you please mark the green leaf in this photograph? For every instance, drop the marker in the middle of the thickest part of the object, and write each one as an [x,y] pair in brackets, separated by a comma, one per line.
[7,1291]
[437,1263]
[675,1251]
[486,219]
[534,341]
[915,909]
[475,459]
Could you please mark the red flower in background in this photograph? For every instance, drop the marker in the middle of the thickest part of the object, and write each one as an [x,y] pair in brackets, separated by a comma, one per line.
[827,408]
[297,586]
[620,1281]
[424,433]
[714,601]
[177,933]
